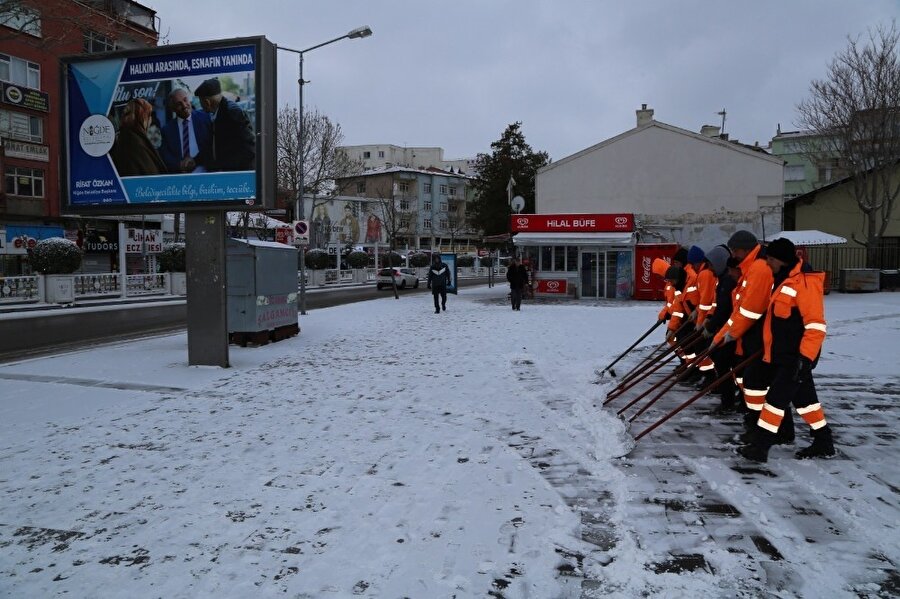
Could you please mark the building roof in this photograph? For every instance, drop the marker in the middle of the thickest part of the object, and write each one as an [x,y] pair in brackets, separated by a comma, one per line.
[808,237]
[386,170]
[731,145]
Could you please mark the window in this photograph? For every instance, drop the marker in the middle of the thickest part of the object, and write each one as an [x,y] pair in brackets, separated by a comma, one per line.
[20,72]
[21,126]
[794,173]
[361,187]
[453,208]
[426,224]
[28,182]
[444,190]
[403,186]
[572,258]
[404,223]
[559,257]
[404,204]
[427,206]
[829,171]
[443,206]
[95,42]
[381,153]
[546,258]
[22,18]
[367,155]
[427,188]
[453,190]
[444,225]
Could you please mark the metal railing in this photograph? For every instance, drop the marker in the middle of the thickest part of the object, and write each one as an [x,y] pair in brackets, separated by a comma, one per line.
[155,284]
[97,285]
[20,289]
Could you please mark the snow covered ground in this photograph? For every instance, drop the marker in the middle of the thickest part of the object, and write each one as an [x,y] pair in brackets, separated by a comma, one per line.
[391,452]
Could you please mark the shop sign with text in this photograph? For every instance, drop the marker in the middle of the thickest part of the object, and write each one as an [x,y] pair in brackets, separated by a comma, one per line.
[571,223]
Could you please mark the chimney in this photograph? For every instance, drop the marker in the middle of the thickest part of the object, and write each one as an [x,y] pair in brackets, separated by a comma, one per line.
[644,115]
[709,131]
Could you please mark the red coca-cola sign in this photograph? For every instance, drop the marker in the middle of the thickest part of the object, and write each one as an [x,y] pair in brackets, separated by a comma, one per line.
[648,286]
[558,286]
[571,223]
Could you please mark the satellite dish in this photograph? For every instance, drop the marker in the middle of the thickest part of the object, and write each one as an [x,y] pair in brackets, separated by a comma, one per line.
[518,203]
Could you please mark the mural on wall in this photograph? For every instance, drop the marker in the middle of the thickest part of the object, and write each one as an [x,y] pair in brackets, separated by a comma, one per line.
[346,222]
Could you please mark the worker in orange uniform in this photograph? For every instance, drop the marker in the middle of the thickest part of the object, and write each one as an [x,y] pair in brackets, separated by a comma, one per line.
[792,340]
[745,327]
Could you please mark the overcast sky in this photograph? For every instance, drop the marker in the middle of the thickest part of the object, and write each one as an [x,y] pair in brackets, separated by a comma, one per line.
[455,74]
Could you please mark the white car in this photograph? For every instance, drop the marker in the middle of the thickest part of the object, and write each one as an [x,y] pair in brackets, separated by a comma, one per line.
[405,277]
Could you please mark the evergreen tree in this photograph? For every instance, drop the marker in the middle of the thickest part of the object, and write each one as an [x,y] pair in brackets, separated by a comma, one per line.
[510,156]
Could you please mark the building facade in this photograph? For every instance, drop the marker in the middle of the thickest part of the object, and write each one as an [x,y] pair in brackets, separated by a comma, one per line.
[802,172]
[386,155]
[671,185]
[34,34]
[418,208]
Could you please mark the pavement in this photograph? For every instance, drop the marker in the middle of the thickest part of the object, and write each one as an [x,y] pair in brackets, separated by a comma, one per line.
[683,504]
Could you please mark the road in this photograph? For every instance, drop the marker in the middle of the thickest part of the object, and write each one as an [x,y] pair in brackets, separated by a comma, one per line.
[34,333]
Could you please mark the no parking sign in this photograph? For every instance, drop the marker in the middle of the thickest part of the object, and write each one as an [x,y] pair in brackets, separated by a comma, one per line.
[301,232]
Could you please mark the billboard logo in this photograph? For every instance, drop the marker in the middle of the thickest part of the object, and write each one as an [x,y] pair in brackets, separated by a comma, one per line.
[621,221]
[553,285]
[14,94]
[97,135]
[646,265]
[522,221]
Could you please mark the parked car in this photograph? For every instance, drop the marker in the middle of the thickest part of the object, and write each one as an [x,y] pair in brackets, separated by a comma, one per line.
[405,277]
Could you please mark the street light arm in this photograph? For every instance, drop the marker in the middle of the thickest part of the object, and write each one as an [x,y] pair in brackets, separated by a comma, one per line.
[359,32]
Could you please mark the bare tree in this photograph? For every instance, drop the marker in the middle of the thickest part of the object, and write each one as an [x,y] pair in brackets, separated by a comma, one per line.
[854,113]
[393,218]
[322,161]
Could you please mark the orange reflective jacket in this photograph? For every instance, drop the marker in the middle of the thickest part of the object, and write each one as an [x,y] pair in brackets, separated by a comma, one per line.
[751,297]
[683,305]
[669,293]
[795,323]
[706,292]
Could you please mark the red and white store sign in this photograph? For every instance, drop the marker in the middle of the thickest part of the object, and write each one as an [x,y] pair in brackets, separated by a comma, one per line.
[571,223]
[551,286]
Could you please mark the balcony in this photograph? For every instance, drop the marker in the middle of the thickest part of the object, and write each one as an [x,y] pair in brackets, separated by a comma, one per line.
[20,206]
[129,11]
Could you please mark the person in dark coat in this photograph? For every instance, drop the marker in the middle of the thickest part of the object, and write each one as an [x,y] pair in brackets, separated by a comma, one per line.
[517,275]
[234,144]
[438,281]
[132,153]
[187,138]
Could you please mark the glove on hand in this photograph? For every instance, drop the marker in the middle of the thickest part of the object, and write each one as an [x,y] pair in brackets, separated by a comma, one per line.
[693,316]
[670,336]
[707,333]
[727,339]
[667,317]
[803,370]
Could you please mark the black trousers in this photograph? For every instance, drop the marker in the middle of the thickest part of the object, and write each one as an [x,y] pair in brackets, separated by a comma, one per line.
[515,296]
[442,292]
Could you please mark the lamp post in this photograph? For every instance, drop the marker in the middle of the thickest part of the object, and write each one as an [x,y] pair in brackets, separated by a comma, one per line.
[359,32]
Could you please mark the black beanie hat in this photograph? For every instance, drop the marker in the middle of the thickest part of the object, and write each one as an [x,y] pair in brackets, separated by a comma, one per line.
[742,240]
[782,249]
[681,255]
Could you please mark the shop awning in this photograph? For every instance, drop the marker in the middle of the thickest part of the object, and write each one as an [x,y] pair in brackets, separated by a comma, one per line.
[614,239]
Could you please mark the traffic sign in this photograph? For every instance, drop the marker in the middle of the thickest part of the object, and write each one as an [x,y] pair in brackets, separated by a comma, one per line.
[301,232]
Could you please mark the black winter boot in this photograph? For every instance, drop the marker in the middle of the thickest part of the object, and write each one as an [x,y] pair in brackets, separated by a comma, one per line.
[785,434]
[822,445]
[758,450]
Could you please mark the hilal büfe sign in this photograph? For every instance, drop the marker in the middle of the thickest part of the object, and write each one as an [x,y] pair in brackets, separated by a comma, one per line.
[172,128]
[571,223]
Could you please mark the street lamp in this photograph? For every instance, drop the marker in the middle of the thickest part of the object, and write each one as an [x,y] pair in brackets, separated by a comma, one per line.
[359,32]
[364,31]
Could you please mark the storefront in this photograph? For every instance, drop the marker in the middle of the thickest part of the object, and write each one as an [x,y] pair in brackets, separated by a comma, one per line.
[584,256]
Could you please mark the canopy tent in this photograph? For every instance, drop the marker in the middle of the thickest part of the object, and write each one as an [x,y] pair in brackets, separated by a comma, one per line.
[808,238]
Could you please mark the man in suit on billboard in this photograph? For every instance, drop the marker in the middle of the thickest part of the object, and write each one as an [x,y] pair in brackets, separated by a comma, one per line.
[234,144]
[186,139]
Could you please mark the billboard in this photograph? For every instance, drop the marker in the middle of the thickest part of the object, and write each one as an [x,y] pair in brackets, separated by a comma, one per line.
[170,129]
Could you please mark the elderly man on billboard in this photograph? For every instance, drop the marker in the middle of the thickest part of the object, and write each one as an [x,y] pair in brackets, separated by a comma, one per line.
[186,139]
[234,145]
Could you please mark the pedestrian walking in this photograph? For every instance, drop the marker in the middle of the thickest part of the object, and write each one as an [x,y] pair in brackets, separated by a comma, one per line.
[517,275]
[792,342]
[438,281]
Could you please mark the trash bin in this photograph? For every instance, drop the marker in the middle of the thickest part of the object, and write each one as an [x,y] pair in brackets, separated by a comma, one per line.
[890,280]
[860,279]
[262,291]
